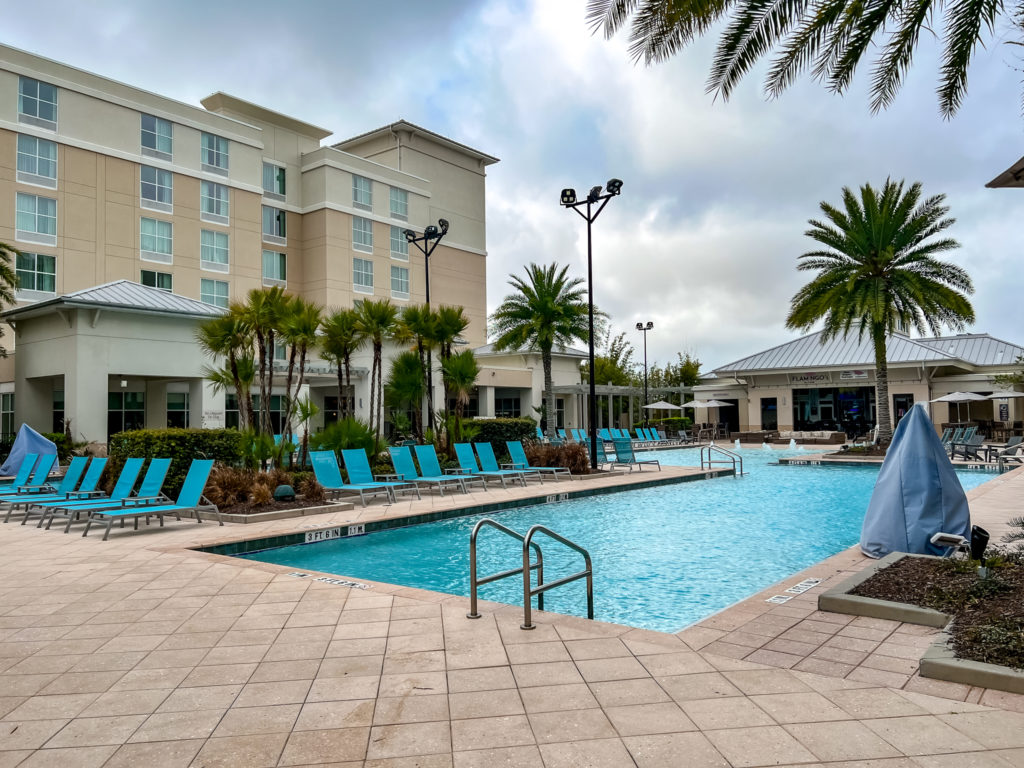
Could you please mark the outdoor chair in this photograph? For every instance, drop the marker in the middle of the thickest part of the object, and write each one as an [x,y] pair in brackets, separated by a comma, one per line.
[624,455]
[359,473]
[947,435]
[37,483]
[972,448]
[405,469]
[467,464]
[84,491]
[426,455]
[190,499]
[517,454]
[604,434]
[540,435]
[24,471]
[561,434]
[685,437]
[83,499]
[488,463]
[1011,448]
[47,492]
[328,474]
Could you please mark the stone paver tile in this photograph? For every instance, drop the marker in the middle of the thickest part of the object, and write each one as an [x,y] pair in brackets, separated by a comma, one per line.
[96,731]
[50,707]
[148,679]
[552,698]
[863,703]
[410,739]
[614,693]
[826,668]
[484,704]
[921,735]
[506,757]
[480,679]
[109,662]
[343,688]
[570,725]
[600,753]
[410,709]
[665,750]
[351,666]
[491,732]
[891,664]
[620,668]
[535,653]
[276,671]
[775,658]
[963,760]
[763,681]
[765,745]
[243,721]
[266,694]
[322,715]
[550,673]
[697,637]
[222,674]
[325,746]
[645,719]
[413,684]
[842,740]
[234,654]
[28,734]
[684,663]
[29,685]
[368,646]
[9,703]
[700,686]
[80,757]
[156,754]
[597,648]
[162,726]
[294,651]
[994,730]
[202,697]
[940,706]
[253,751]
[941,688]
[1013,702]
[361,630]
[808,707]
[83,682]
[728,650]
[181,657]
[733,712]
[9,759]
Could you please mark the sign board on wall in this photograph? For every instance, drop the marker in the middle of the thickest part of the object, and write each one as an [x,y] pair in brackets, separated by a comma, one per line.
[1004,411]
[809,378]
[213,419]
[851,375]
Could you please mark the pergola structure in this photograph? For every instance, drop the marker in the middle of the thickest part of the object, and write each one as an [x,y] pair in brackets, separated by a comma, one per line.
[634,400]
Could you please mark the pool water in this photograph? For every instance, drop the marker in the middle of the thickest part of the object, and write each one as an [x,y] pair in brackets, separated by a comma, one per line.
[663,557]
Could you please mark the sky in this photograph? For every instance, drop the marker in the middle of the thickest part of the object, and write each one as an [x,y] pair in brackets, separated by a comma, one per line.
[705,237]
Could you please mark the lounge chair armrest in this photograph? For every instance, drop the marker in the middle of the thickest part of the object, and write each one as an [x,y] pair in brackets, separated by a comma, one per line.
[515,465]
[83,494]
[141,501]
[35,488]
[389,477]
[457,471]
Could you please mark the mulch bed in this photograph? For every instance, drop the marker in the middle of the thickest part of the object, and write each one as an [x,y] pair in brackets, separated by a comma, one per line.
[248,508]
[988,614]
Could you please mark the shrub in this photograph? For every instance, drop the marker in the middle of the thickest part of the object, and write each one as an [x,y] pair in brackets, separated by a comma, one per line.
[261,495]
[224,446]
[311,490]
[573,456]
[229,486]
[674,423]
[64,446]
[498,431]
[345,434]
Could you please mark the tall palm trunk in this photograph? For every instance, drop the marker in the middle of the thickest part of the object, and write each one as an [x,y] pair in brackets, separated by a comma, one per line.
[261,350]
[881,385]
[289,405]
[243,417]
[549,392]
[265,404]
[348,386]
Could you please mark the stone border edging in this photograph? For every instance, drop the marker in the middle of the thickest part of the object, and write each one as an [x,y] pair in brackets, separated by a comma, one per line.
[941,662]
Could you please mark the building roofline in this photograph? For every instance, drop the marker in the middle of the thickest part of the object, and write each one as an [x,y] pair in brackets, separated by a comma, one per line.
[221,100]
[1011,177]
[401,124]
[77,300]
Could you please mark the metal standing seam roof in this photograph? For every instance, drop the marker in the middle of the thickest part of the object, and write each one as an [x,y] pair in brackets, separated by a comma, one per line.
[488,349]
[838,352]
[976,348]
[125,294]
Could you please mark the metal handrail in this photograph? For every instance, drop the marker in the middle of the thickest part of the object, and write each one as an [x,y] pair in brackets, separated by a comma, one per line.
[729,458]
[474,582]
[541,587]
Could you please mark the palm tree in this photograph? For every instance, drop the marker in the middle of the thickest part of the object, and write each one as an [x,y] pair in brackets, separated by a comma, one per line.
[230,337]
[297,327]
[878,272]
[451,323]
[547,309]
[460,372]
[405,387]
[419,324]
[8,280]
[377,323]
[343,336]
[261,312]
[830,38]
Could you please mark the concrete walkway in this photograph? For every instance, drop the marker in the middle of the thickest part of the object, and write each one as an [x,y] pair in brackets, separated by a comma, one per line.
[139,652]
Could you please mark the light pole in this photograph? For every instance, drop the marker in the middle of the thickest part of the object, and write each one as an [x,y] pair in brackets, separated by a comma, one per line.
[595,196]
[645,329]
[426,243]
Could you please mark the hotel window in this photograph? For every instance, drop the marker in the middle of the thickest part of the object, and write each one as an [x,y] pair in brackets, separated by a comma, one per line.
[37,161]
[157,137]
[399,282]
[213,292]
[399,204]
[7,414]
[156,240]
[125,411]
[37,103]
[362,192]
[274,230]
[214,203]
[213,250]
[161,280]
[58,410]
[362,234]
[362,275]
[273,181]
[214,154]
[37,273]
[399,245]
[177,410]
[275,268]
[36,220]
[157,189]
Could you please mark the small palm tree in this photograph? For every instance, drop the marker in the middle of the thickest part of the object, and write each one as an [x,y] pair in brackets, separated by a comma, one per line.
[297,327]
[547,309]
[451,324]
[261,312]
[8,280]
[377,323]
[230,337]
[405,388]
[419,325]
[342,338]
[460,372]
[878,272]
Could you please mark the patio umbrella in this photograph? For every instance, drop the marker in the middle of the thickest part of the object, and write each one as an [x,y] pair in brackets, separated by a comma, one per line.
[1004,394]
[664,406]
[958,397]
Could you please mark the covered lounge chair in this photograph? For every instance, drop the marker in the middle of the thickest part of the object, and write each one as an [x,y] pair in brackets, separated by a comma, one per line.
[517,454]
[426,455]
[467,463]
[405,469]
[328,474]
[624,455]
[488,462]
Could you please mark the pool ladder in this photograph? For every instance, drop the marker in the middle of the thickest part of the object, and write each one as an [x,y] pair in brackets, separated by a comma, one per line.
[711,455]
[528,590]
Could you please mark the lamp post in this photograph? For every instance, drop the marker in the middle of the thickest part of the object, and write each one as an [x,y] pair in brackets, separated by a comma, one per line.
[645,329]
[595,196]
[426,243]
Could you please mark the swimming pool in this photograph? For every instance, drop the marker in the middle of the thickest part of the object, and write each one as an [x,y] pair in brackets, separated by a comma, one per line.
[663,557]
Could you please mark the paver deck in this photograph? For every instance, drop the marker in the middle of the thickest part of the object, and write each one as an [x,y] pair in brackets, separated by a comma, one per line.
[138,651]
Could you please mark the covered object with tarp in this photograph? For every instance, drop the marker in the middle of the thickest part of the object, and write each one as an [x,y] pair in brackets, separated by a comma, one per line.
[917,493]
[28,441]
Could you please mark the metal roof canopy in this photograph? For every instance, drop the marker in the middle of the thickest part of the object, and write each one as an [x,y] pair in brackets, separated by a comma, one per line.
[618,389]
[120,295]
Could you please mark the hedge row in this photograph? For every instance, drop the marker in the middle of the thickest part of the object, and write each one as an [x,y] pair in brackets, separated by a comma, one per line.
[498,431]
[225,446]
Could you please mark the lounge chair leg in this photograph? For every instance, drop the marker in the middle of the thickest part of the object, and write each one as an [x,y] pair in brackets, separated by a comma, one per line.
[110,524]
[88,524]
[160,517]
[67,528]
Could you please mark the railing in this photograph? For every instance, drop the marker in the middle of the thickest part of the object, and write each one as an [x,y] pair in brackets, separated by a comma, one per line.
[529,591]
[708,458]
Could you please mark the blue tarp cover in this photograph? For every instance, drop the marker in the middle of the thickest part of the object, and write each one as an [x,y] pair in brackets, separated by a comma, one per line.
[917,493]
[27,441]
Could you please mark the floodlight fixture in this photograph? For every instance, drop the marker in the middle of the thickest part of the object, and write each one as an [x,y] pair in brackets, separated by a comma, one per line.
[430,232]
[409,235]
[443,224]
[594,195]
[568,196]
[614,186]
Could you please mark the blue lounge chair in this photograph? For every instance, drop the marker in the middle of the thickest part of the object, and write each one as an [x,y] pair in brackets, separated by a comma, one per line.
[359,473]
[80,501]
[87,488]
[624,455]
[149,491]
[561,434]
[67,482]
[426,455]
[604,434]
[467,462]
[61,491]
[540,435]
[519,461]
[190,499]
[38,482]
[328,474]
[24,471]
[405,469]
[488,463]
